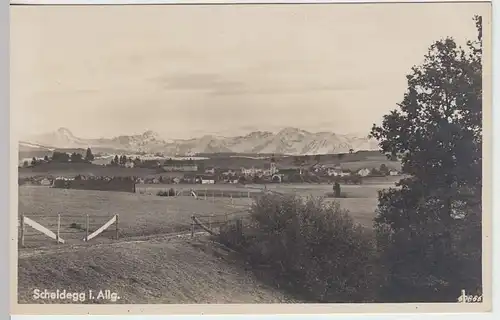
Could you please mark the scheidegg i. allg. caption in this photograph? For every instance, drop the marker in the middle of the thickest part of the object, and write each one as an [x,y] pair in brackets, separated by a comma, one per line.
[75,296]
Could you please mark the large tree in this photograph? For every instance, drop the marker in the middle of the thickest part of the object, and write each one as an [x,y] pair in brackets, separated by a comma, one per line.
[429,229]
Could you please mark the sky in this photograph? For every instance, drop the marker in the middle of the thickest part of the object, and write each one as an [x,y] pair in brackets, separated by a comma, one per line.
[187,71]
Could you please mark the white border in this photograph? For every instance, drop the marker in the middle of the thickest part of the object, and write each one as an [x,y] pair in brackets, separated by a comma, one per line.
[4,87]
[122,2]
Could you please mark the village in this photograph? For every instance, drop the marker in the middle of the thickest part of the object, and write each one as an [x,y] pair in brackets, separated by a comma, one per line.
[189,171]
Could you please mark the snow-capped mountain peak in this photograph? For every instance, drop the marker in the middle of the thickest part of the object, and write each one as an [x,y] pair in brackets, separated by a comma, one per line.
[152,135]
[65,132]
[289,140]
[289,131]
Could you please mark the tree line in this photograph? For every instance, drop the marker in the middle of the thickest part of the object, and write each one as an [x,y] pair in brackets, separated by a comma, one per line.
[63,157]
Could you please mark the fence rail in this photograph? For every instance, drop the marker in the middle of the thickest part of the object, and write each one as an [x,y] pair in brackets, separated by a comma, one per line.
[47,223]
[202,193]
[210,223]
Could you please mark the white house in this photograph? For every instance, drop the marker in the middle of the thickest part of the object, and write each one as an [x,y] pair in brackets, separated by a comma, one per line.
[65,178]
[251,171]
[210,170]
[364,172]
[45,182]
[335,172]
[207,180]
[393,173]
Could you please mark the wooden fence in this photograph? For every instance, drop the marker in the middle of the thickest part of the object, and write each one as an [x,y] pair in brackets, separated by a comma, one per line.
[212,223]
[205,194]
[65,228]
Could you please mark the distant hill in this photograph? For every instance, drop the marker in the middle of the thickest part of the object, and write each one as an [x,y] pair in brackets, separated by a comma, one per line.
[289,141]
[29,150]
[354,161]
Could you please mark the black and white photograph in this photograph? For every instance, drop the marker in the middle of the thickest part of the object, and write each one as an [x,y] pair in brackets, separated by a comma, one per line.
[252,154]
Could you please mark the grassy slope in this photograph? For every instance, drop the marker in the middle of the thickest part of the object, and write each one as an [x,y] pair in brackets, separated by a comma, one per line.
[176,271]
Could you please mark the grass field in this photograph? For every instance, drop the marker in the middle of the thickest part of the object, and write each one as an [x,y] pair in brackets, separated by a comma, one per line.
[138,214]
[145,265]
[145,214]
[163,271]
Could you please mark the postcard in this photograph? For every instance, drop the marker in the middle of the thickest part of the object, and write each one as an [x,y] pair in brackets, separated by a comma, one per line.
[251,158]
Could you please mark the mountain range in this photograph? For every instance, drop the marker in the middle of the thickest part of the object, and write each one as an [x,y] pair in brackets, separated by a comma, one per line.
[288,141]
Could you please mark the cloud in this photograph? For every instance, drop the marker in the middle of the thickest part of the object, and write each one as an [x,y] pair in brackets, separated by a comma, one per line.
[198,81]
[249,82]
[282,89]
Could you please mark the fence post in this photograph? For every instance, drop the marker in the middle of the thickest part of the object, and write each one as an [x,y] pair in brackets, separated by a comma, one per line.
[116,227]
[86,228]
[22,230]
[206,193]
[192,226]
[239,229]
[232,199]
[58,227]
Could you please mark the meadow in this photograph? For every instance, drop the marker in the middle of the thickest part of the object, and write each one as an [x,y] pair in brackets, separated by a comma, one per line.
[147,214]
[360,200]
[155,259]
[139,215]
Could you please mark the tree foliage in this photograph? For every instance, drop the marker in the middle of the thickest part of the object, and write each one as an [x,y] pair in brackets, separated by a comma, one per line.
[383,169]
[76,157]
[429,229]
[115,161]
[89,156]
[60,156]
[309,247]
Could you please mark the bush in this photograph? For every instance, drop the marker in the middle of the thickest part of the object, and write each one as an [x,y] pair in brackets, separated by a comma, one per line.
[169,193]
[334,195]
[310,247]
[78,226]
